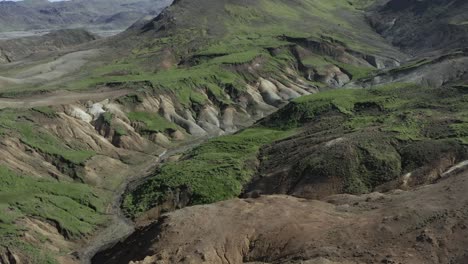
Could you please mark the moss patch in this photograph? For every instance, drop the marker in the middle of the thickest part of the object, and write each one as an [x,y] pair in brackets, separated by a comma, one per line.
[152,122]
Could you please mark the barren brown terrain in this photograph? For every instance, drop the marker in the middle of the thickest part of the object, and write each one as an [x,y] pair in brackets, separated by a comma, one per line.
[425,225]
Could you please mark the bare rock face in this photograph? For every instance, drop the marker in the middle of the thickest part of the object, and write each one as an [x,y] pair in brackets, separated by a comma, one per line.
[333,77]
[8,257]
[427,225]
[437,71]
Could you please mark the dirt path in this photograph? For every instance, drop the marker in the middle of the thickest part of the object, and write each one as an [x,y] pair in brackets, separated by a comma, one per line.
[61,98]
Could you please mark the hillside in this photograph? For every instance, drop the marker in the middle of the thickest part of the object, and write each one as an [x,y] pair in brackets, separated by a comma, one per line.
[353,141]
[422,26]
[213,100]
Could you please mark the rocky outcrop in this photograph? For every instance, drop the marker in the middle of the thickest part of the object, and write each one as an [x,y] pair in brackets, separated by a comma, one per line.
[435,71]
[322,60]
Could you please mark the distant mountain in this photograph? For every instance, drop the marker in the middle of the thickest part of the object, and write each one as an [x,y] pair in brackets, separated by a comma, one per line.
[16,49]
[101,14]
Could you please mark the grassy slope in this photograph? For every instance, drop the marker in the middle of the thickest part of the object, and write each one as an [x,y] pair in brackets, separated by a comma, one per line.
[19,122]
[215,171]
[403,108]
[392,130]
[75,208]
[152,122]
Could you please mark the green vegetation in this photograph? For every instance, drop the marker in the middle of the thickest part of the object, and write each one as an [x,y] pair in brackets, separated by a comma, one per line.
[31,252]
[107,117]
[239,58]
[120,130]
[320,63]
[46,110]
[214,171]
[49,144]
[200,53]
[362,3]
[365,161]
[14,121]
[356,72]
[152,122]
[393,108]
[75,209]
[185,84]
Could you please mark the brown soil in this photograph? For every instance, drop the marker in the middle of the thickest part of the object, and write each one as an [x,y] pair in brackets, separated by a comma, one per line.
[426,225]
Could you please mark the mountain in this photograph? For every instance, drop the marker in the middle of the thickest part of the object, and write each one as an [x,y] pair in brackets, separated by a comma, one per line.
[235,131]
[96,14]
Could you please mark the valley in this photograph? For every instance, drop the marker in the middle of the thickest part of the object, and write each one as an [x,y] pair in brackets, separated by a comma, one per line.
[22,34]
[93,15]
[222,131]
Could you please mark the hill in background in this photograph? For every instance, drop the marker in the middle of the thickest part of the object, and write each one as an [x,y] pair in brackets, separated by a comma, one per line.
[101,14]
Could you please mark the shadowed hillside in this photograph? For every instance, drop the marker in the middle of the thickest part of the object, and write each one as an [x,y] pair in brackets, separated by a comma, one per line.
[422,26]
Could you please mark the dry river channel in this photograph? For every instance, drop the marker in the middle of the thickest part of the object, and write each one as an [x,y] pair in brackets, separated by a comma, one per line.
[120,226]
